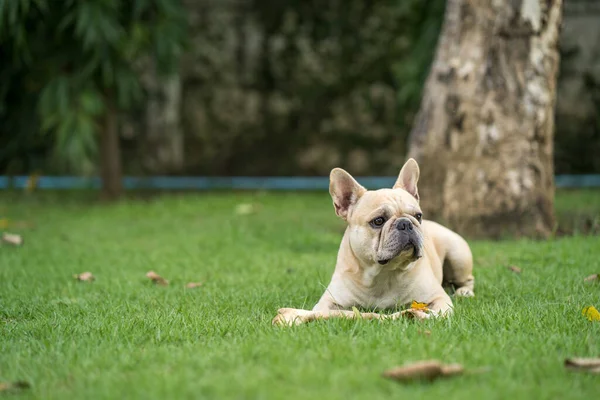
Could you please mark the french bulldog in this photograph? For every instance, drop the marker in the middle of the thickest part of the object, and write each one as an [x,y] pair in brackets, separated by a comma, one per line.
[389,256]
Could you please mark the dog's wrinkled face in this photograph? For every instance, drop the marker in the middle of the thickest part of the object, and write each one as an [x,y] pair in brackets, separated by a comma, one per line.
[384,226]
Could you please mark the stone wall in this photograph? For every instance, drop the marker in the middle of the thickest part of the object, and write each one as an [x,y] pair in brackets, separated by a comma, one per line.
[298,87]
[577,138]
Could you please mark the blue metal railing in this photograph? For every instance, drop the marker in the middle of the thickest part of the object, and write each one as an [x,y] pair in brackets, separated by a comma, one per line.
[238,182]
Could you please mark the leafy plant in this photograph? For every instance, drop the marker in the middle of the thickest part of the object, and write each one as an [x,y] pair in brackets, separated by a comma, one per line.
[82,59]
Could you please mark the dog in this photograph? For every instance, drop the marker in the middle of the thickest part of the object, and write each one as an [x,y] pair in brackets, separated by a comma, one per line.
[389,255]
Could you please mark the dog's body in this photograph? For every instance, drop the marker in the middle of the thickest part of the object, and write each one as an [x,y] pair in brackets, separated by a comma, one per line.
[381,287]
[389,256]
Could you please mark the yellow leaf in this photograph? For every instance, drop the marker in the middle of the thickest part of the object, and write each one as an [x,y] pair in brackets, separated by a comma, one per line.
[356,312]
[419,306]
[591,313]
[4,223]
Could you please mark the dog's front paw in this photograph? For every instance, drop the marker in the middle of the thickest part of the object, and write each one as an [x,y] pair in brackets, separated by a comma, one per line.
[289,317]
[464,292]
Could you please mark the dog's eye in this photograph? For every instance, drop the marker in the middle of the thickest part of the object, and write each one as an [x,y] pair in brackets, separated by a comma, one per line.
[377,222]
[419,217]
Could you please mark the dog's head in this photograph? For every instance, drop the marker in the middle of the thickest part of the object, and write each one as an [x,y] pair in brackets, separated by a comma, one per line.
[384,226]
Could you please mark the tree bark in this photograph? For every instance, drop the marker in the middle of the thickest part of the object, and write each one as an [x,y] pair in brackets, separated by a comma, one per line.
[483,135]
[111,171]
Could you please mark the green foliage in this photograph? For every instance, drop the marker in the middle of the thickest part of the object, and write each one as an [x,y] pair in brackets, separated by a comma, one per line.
[338,83]
[81,55]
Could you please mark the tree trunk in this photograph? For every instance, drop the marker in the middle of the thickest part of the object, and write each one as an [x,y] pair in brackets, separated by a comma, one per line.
[110,155]
[483,135]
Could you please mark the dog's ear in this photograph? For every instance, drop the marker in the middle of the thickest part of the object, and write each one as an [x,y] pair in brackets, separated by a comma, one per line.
[408,178]
[344,191]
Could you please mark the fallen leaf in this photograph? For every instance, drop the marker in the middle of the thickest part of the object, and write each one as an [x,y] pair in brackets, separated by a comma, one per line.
[591,313]
[415,305]
[591,278]
[583,364]
[514,269]
[11,238]
[193,285]
[245,209]
[425,333]
[84,277]
[357,314]
[4,223]
[5,386]
[423,370]
[159,280]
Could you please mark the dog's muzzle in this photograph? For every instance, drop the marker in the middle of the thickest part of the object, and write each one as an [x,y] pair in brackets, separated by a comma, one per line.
[408,239]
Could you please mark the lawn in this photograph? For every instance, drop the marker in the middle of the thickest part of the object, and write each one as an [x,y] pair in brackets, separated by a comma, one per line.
[123,337]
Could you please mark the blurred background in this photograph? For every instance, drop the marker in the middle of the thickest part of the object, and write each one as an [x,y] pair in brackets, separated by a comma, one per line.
[245,87]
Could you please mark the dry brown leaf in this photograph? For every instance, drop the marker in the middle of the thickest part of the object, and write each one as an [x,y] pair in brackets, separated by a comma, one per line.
[592,278]
[425,332]
[159,280]
[11,238]
[591,313]
[84,277]
[193,285]
[428,370]
[583,364]
[514,269]
[5,386]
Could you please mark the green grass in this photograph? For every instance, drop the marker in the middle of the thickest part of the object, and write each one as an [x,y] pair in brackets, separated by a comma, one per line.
[122,337]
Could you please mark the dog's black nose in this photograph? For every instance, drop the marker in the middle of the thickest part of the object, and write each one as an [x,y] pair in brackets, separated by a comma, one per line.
[404,224]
